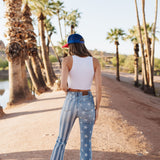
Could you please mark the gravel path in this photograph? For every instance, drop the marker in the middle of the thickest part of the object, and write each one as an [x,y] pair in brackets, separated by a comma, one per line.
[127,129]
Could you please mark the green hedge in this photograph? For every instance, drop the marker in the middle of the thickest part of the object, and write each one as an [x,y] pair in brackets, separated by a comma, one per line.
[3,64]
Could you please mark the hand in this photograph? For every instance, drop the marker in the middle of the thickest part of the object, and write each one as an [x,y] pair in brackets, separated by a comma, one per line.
[96,115]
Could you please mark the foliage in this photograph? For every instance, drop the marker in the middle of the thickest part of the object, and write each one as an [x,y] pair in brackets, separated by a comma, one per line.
[156,64]
[72,18]
[127,63]
[59,50]
[3,63]
[53,58]
[115,34]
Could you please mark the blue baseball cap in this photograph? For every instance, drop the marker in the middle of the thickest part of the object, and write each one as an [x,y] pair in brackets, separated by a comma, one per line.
[74,38]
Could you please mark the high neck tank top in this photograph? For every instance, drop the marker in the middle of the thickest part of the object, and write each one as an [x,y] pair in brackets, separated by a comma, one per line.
[82,73]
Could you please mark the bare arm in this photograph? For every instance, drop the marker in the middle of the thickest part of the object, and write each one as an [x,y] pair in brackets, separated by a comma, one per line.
[64,75]
[98,82]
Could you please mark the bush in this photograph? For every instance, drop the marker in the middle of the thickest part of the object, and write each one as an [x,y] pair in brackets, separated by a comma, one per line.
[129,63]
[53,58]
[3,63]
[157,64]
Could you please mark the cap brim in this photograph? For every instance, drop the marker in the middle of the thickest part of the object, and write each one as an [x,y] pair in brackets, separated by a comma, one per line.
[65,46]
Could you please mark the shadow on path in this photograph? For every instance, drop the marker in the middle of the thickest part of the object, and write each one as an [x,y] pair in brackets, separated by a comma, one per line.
[74,155]
[46,99]
[12,115]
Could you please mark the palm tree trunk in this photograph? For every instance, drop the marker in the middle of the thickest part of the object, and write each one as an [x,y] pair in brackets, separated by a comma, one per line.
[144,72]
[150,89]
[27,91]
[54,49]
[136,55]
[16,88]
[59,25]
[153,42]
[19,90]
[72,29]
[49,76]
[117,57]
[38,87]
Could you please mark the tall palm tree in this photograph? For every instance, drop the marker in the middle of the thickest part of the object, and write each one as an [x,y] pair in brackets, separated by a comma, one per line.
[144,70]
[57,9]
[149,58]
[133,36]
[114,35]
[64,17]
[19,89]
[50,29]
[32,62]
[72,19]
[153,41]
[41,10]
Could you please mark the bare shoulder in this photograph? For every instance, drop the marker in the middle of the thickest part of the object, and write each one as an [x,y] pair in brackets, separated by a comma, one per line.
[68,61]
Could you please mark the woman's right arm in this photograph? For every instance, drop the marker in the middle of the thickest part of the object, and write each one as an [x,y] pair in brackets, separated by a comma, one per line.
[98,83]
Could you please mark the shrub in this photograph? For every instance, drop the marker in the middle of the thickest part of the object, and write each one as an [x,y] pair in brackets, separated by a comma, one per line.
[3,63]
[53,58]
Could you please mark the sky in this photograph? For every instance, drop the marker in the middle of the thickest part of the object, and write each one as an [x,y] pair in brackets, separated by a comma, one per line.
[97,18]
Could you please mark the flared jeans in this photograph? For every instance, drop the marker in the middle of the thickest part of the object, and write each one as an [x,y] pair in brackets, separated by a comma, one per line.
[75,106]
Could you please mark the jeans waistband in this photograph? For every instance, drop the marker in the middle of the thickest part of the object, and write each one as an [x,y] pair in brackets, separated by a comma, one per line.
[78,94]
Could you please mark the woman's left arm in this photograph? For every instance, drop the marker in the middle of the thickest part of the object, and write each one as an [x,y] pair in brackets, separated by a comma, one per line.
[64,74]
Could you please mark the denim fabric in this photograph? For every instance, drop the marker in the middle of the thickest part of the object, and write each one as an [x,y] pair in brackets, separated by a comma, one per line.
[75,106]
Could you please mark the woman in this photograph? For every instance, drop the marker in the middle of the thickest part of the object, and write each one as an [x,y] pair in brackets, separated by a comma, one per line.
[78,71]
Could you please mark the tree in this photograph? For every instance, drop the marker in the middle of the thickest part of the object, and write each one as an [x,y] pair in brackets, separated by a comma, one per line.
[72,20]
[32,61]
[148,59]
[50,29]
[133,36]
[114,35]
[64,17]
[15,50]
[57,9]
[41,9]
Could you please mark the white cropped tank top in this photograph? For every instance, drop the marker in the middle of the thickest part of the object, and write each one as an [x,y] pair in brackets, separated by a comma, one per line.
[82,73]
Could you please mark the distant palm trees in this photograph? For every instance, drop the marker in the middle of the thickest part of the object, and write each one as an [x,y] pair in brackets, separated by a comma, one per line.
[147,52]
[113,36]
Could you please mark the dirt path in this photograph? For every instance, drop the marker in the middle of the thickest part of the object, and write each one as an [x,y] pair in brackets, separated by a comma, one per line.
[128,127]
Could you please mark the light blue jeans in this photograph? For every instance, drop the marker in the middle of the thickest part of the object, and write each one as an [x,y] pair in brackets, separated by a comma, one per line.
[75,106]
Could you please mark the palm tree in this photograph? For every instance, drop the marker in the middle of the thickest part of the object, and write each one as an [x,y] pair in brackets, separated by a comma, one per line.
[153,41]
[148,60]
[144,70]
[41,9]
[57,9]
[64,17]
[19,89]
[72,19]
[50,29]
[133,36]
[114,35]
[32,62]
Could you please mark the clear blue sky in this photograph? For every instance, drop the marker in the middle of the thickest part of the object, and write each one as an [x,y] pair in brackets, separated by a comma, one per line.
[98,17]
